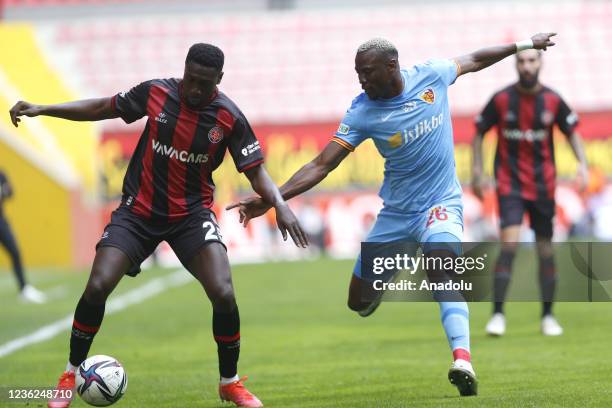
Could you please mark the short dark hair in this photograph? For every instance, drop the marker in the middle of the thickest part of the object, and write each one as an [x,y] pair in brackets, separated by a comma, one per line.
[206,55]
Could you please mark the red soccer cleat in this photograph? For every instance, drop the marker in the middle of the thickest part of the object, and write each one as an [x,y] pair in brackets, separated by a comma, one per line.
[64,391]
[236,393]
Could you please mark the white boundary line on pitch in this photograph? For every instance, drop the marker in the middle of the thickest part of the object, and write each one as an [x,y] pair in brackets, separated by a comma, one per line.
[134,296]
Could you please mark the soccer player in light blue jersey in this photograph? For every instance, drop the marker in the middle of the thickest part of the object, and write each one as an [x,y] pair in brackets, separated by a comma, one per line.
[406,113]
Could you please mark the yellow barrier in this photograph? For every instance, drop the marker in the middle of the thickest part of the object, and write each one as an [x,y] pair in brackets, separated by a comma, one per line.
[26,71]
[39,213]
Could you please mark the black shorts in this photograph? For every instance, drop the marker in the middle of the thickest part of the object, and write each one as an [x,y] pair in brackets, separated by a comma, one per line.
[138,237]
[541,213]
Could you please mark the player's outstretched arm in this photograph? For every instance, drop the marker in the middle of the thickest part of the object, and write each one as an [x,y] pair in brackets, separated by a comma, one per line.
[583,168]
[477,165]
[488,56]
[315,171]
[303,180]
[285,219]
[83,110]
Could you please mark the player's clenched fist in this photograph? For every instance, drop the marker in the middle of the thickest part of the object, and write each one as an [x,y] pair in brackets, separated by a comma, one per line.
[542,40]
[23,108]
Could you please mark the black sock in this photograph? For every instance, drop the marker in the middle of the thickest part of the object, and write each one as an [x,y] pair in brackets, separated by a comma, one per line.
[501,280]
[87,320]
[18,269]
[546,308]
[226,330]
[548,283]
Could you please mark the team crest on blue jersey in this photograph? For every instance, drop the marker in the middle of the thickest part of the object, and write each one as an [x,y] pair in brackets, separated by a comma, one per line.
[215,135]
[428,95]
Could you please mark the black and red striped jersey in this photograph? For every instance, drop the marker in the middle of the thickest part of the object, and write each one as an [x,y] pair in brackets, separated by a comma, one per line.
[525,156]
[170,172]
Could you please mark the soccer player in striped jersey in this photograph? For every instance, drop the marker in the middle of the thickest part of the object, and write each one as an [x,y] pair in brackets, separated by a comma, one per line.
[168,195]
[524,114]
[406,112]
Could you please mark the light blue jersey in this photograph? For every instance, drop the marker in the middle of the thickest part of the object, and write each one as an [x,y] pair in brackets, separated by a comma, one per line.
[413,132]
[421,192]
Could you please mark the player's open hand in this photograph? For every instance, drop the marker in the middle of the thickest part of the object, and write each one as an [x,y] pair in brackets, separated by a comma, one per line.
[249,208]
[288,223]
[23,108]
[542,40]
[582,178]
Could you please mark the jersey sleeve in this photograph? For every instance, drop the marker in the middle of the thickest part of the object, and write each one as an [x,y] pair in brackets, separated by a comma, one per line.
[566,119]
[447,69]
[244,146]
[132,105]
[350,132]
[487,118]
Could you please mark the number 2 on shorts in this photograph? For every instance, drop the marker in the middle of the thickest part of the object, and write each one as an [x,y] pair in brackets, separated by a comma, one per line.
[212,234]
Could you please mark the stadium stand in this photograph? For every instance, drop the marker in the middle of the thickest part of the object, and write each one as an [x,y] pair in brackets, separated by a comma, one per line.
[299,67]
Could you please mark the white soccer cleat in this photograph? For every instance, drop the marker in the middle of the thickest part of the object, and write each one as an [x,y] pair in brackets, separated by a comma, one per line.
[462,376]
[497,325]
[30,294]
[551,327]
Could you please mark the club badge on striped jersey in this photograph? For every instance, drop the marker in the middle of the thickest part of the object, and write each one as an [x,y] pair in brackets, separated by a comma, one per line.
[215,135]
[547,118]
[428,95]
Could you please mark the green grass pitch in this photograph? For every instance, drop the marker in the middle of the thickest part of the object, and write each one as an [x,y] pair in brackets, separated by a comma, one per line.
[302,347]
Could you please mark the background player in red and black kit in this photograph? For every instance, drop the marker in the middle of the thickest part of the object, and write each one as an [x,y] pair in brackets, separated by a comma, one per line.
[168,195]
[524,114]
[7,239]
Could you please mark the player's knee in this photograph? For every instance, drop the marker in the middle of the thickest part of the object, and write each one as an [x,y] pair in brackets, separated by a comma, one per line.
[223,299]
[545,248]
[506,257]
[509,247]
[97,291]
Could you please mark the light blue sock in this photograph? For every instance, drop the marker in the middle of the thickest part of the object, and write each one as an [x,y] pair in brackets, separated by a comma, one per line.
[455,316]
[456,321]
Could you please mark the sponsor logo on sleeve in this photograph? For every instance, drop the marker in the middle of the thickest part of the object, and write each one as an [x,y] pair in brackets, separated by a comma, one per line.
[250,149]
[343,129]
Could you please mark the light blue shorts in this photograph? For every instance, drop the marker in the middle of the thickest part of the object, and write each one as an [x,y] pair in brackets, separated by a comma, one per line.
[442,222]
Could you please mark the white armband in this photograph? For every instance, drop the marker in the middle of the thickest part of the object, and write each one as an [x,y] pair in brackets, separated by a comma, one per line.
[523,45]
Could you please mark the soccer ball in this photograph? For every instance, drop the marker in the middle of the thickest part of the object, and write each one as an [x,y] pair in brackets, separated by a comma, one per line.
[101,381]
